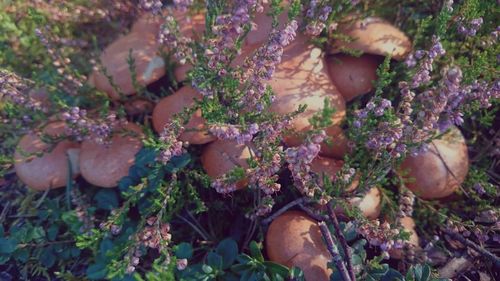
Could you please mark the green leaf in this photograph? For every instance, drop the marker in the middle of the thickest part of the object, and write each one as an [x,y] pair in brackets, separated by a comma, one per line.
[105,246]
[4,258]
[184,251]
[47,257]
[297,274]
[37,233]
[426,273]
[106,199]
[228,250]
[177,163]
[96,271]
[7,245]
[255,251]
[214,260]
[392,275]
[52,232]
[276,269]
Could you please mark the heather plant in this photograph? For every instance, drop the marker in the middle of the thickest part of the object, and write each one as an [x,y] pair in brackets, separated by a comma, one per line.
[169,220]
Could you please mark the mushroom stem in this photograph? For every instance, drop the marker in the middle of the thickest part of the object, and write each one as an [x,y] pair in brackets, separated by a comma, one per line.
[474,246]
[332,248]
[341,238]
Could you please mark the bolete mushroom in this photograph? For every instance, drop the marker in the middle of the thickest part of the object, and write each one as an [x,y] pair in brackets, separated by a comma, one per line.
[50,169]
[138,107]
[302,79]
[195,130]
[222,156]
[294,239]
[143,41]
[329,167]
[376,38]
[353,76]
[408,224]
[105,164]
[148,65]
[372,35]
[370,204]
[439,171]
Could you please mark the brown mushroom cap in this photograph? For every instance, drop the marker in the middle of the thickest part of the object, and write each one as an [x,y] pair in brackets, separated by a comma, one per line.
[371,204]
[330,167]
[196,130]
[263,25]
[409,225]
[105,164]
[51,169]
[294,239]
[438,172]
[302,78]
[137,107]
[353,76]
[149,66]
[373,36]
[222,156]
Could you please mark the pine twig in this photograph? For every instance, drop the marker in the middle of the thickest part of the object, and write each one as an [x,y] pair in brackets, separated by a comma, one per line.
[332,248]
[341,238]
[474,246]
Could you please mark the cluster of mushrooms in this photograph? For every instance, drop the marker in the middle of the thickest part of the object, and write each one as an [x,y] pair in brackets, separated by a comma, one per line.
[307,75]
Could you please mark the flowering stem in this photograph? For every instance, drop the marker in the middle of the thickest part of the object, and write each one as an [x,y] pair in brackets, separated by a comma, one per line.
[337,258]
[341,239]
[474,246]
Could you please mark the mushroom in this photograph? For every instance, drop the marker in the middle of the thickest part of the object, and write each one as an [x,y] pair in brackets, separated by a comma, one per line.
[353,76]
[105,164]
[439,171]
[370,204]
[149,66]
[262,26]
[137,107]
[195,130]
[302,79]
[408,224]
[51,169]
[294,239]
[372,35]
[222,156]
[329,167]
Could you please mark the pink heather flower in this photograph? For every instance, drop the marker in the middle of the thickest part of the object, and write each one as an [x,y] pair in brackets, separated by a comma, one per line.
[470,28]
[153,6]
[318,15]
[182,264]
[81,127]
[16,90]
[232,132]
[183,5]
[261,66]
[171,38]
[171,146]
[299,160]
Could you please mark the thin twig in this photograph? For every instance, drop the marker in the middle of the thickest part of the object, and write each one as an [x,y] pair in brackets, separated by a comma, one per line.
[285,208]
[336,257]
[474,246]
[341,238]
[194,227]
[310,213]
